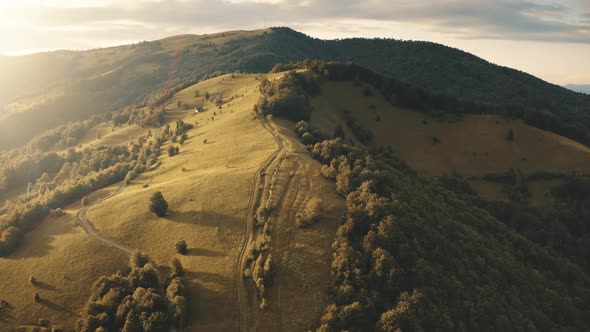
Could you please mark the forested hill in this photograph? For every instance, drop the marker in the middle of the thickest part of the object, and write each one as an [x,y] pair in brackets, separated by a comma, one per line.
[67,85]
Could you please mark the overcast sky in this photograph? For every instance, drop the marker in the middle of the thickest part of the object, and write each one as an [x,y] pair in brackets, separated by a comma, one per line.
[549,39]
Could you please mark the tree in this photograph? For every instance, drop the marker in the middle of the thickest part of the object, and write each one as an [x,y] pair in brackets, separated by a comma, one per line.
[36,297]
[172,151]
[158,204]
[181,247]
[307,139]
[179,103]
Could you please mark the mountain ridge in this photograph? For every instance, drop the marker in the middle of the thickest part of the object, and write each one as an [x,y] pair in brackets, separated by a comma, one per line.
[146,68]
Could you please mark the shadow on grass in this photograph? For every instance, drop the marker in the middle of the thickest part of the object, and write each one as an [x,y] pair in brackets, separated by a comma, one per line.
[45,286]
[204,218]
[206,276]
[204,252]
[39,241]
[54,306]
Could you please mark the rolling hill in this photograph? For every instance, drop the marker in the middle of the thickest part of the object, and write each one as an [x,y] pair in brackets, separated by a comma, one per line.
[320,195]
[208,188]
[70,86]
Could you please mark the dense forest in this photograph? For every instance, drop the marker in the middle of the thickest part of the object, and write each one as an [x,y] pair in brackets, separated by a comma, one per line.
[425,65]
[420,253]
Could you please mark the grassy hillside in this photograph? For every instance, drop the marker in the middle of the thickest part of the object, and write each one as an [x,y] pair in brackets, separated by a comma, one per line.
[415,252]
[65,86]
[207,186]
[274,245]
[471,145]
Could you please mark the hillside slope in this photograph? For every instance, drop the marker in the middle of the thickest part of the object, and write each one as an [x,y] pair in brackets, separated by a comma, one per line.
[208,186]
[381,246]
[474,146]
[415,252]
[65,86]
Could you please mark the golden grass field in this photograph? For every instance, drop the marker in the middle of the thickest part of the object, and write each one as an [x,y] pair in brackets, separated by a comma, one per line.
[207,187]
[473,146]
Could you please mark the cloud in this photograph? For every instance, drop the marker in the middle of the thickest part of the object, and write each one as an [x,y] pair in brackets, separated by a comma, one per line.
[465,19]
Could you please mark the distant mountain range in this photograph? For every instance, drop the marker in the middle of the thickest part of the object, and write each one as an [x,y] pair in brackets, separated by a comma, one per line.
[582,88]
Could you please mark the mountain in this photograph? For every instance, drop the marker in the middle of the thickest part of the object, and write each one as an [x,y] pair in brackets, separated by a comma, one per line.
[296,200]
[581,88]
[356,219]
[66,86]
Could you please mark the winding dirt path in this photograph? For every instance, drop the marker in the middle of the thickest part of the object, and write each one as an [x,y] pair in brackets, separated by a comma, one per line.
[85,223]
[255,196]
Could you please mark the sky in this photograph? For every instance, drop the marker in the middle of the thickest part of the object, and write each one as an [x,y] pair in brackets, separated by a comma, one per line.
[549,39]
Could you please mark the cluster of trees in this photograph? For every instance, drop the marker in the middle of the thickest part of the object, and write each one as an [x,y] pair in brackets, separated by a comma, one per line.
[559,225]
[64,136]
[288,96]
[137,301]
[544,115]
[416,253]
[60,179]
[258,256]
[259,270]
[179,134]
[413,255]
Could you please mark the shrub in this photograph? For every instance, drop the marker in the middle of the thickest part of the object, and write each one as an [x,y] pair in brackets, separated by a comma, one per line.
[158,204]
[138,260]
[32,280]
[309,214]
[172,151]
[36,297]
[56,213]
[181,247]
[307,139]
[43,322]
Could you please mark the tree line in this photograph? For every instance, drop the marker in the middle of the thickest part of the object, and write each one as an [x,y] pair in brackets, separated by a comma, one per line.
[413,254]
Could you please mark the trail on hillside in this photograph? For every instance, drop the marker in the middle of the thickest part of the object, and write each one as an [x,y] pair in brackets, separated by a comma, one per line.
[254,198]
[85,223]
[296,199]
